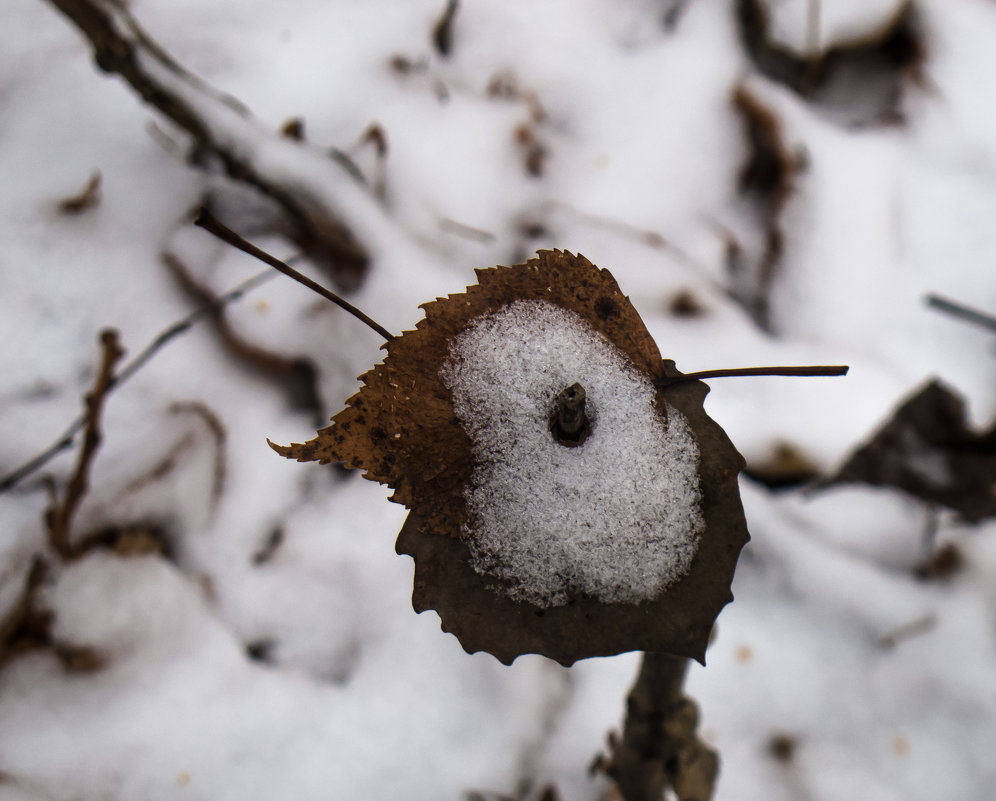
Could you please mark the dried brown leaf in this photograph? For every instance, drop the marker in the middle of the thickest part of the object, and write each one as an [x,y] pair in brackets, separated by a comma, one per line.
[401,429]
[927,449]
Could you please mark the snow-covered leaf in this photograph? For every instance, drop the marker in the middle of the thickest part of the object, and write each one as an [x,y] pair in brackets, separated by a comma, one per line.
[625,541]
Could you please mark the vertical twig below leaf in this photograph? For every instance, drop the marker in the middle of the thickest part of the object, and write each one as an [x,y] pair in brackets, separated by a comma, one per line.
[659,749]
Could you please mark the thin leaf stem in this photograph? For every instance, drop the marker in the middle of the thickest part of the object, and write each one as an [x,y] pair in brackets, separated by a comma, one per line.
[809,371]
[213,225]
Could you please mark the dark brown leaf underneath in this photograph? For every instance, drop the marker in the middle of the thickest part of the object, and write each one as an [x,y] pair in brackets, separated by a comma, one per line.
[927,449]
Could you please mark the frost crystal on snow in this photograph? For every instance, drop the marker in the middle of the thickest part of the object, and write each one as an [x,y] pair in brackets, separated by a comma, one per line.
[616,518]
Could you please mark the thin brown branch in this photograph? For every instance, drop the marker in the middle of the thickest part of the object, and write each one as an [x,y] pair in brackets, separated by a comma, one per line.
[86,198]
[186,323]
[813,371]
[67,438]
[222,127]
[59,516]
[64,442]
[24,626]
[171,460]
[220,436]
[166,465]
[659,749]
[766,181]
[211,224]
[442,31]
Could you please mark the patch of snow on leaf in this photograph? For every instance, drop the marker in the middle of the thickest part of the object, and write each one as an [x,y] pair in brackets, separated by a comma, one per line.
[617,517]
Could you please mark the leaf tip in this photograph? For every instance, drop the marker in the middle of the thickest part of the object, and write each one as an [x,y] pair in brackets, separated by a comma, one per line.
[299,451]
[283,450]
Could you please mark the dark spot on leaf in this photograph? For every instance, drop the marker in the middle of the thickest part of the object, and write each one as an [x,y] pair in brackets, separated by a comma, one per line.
[605,307]
[428,470]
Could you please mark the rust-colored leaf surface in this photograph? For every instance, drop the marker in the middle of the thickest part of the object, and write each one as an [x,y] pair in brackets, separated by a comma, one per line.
[403,429]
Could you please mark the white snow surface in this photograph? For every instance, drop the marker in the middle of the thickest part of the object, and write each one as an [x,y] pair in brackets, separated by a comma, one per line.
[811,27]
[616,517]
[884,681]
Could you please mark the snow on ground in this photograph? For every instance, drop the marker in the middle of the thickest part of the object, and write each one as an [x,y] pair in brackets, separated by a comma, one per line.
[275,655]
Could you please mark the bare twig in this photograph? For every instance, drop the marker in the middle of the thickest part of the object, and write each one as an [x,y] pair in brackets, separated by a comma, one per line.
[67,438]
[962,312]
[297,377]
[86,198]
[209,223]
[187,322]
[914,628]
[270,547]
[24,626]
[220,436]
[59,516]
[442,31]
[766,181]
[800,372]
[466,231]
[659,749]
[224,128]
[171,459]
[13,619]
[65,441]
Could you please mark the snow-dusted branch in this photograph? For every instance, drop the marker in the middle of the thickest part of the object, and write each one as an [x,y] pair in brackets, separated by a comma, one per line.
[312,188]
